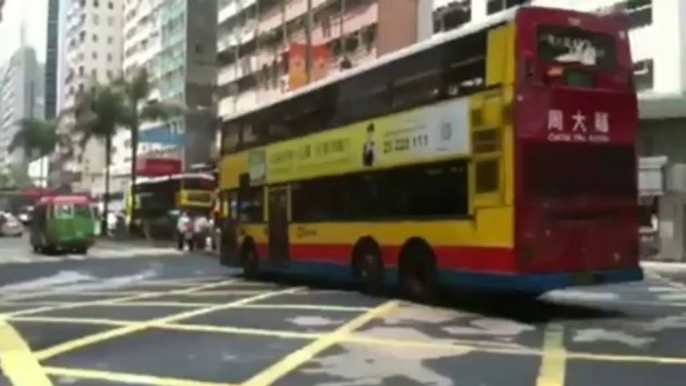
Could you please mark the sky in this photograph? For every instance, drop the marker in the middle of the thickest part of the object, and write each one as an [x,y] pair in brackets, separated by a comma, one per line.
[35,12]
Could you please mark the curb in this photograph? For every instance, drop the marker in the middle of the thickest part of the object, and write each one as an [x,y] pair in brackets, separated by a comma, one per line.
[664,266]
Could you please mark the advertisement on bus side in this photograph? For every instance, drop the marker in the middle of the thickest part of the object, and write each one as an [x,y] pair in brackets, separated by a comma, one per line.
[424,134]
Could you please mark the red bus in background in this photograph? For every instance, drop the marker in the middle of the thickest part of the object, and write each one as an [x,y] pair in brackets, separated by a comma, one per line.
[498,156]
[575,119]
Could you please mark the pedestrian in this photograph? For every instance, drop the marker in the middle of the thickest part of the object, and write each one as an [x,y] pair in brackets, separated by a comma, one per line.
[182,224]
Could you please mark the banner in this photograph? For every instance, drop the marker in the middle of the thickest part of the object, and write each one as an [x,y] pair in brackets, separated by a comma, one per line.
[320,62]
[297,69]
[297,75]
[420,135]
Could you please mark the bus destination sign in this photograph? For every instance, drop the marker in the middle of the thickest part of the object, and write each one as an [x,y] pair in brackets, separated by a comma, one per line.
[578,126]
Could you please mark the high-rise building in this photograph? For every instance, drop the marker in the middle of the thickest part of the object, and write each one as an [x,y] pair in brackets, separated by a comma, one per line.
[255,40]
[51,58]
[92,53]
[21,96]
[175,43]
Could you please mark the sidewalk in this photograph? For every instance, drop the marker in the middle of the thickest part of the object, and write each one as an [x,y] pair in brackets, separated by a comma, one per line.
[664,266]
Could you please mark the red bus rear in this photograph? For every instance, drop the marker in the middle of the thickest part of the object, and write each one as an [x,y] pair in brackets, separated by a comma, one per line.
[576,118]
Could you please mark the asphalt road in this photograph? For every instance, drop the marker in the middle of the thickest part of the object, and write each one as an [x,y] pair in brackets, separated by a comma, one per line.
[157,317]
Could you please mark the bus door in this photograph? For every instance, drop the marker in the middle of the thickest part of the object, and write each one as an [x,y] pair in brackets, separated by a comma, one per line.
[228,201]
[278,224]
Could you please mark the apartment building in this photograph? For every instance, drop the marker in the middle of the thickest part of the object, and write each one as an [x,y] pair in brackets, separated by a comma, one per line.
[21,96]
[255,38]
[174,42]
[92,53]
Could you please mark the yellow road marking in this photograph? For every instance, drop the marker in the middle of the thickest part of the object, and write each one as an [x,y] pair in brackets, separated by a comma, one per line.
[57,320]
[161,304]
[229,292]
[305,307]
[299,357]
[627,358]
[144,295]
[554,360]
[105,335]
[16,360]
[126,378]
[242,331]
[441,344]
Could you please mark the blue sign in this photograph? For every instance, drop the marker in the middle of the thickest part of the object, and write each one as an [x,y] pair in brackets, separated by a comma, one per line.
[165,134]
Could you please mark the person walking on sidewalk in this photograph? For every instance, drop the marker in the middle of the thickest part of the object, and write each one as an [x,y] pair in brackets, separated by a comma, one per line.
[183,226]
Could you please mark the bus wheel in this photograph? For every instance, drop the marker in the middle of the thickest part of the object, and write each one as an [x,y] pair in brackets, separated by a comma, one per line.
[250,263]
[369,270]
[418,272]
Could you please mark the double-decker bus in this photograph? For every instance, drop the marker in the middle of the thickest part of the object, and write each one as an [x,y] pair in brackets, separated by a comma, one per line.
[497,156]
[159,198]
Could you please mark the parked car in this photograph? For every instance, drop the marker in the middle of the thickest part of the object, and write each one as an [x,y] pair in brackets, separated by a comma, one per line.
[10,226]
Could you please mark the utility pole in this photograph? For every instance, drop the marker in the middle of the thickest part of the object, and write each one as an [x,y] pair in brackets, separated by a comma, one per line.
[308,42]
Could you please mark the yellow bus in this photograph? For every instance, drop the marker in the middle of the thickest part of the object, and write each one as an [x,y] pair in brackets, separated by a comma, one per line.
[158,198]
[458,161]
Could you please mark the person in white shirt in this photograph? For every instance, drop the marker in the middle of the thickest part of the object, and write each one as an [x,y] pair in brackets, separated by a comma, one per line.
[182,224]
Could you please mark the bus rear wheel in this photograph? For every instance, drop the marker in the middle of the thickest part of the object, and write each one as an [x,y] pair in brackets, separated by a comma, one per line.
[250,263]
[418,273]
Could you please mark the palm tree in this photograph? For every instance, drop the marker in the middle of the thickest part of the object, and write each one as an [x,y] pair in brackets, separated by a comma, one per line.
[140,109]
[99,112]
[36,137]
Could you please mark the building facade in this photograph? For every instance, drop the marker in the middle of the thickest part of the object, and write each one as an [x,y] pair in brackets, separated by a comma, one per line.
[92,53]
[51,58]
[255,39]
[21,96]
[174,42]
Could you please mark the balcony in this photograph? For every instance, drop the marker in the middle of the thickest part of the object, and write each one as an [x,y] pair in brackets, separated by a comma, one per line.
[232,9]
[233,72]
[232,38]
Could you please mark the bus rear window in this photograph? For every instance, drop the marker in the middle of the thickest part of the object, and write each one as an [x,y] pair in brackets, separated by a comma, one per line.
[561,170]
[575,46]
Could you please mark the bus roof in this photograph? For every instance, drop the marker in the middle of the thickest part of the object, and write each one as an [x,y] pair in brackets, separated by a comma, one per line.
[204,176]
[65,200]
[436,40]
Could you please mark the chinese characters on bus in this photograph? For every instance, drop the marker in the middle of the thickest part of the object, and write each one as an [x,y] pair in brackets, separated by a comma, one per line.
[578,127]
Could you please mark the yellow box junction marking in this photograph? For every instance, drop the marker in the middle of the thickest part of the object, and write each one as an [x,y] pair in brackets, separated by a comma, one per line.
[299,357]
[17,360]
[140,296]
[554,360]
[101,336]
[126,378]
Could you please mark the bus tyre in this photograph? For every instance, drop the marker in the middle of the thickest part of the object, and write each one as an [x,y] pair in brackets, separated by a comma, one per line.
[418,273]
[250,263]
[369,270]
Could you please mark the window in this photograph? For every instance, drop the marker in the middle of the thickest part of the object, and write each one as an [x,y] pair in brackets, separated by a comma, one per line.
[395,193]
[417,80]
[96,3]
[643,75]
[639,12]
[495,6]
[96,19]
[109,57]
[95,38]
[81,70]
[110,39]
[110,5]
[94,55]
[252,205]
[558,44]
[63,211]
